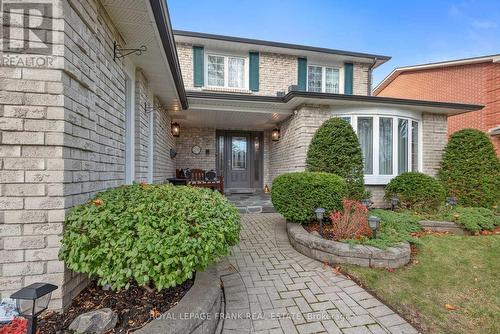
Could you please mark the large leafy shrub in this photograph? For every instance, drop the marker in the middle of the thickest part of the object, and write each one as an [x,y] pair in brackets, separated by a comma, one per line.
[152,234]
[416,191]
[335,149]
[297,195]
[470,169]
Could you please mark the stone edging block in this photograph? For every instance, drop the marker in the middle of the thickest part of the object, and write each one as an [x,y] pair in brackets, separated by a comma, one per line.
[197,312]
[339,252]
[443,226]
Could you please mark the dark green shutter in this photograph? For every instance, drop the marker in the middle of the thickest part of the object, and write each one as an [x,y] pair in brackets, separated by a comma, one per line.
[301,74]
[254,71]
[348,68]
[198,71]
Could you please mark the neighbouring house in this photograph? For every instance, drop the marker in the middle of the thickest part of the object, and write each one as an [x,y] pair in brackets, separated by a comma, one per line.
[472,80]
[90,91]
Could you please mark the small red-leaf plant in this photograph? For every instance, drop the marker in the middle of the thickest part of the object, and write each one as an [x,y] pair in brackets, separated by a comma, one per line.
[16,326]
[352,223]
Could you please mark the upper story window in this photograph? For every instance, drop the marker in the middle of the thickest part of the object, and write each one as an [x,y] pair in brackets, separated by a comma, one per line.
[226,71]
[323,79]
[390,145]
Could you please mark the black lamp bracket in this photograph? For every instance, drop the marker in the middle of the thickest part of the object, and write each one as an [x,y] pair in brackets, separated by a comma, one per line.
[120,53]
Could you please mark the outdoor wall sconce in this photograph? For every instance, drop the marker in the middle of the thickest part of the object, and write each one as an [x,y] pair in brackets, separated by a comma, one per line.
[275,134]
[451,201]
[320,213]
[33,300]
[120,53]
[374,223]
[173,153]
[175,129]
[394,202]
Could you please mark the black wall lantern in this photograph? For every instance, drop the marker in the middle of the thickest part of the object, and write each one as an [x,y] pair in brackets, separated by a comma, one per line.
[275,134]
[33,300]
[175,129]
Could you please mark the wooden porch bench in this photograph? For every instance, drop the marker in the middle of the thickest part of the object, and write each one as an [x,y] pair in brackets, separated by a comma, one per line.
[198,179]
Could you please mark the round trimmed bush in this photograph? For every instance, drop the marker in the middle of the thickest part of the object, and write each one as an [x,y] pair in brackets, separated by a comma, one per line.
[297,195]
[335,149]
[470,169]
[416,191]
[152,234]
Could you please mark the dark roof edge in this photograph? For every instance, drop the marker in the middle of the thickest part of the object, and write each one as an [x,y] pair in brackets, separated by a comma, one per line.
[278,44]
[327,96]
[162,18]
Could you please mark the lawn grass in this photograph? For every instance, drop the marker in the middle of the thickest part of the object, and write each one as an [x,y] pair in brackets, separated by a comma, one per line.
[455,270]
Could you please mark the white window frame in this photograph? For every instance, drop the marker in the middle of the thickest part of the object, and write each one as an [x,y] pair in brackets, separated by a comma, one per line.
[375,178]
[129,122]
[226,56]
[323,77]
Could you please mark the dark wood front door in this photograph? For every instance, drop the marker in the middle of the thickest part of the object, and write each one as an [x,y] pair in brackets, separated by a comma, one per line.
[240,160]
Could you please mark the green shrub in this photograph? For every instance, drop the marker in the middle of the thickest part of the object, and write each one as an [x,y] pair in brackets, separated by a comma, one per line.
[470,169]
[416,191]
[335,149]
[152,234]
[297,195]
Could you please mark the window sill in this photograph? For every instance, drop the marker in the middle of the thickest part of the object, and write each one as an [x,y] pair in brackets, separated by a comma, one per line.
[227,90]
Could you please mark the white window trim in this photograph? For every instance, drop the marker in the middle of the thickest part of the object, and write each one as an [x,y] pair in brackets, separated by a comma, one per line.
[130,123]
[375,178]
[323,76]
[226,70]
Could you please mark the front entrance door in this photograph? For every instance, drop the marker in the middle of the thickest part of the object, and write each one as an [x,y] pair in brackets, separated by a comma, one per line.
[240,160]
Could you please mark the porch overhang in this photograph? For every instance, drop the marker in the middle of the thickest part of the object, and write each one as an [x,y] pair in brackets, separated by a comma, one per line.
[245,111]
[147,22]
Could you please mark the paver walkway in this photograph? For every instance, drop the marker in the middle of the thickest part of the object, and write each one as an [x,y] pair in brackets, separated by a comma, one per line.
[271,288]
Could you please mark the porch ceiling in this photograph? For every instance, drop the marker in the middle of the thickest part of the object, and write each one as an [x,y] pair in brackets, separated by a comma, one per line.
[232,115]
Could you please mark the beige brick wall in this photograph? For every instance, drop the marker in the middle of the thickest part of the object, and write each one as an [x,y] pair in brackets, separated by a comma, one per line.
[63,140]
[435,138]
[205,139]
[276,72]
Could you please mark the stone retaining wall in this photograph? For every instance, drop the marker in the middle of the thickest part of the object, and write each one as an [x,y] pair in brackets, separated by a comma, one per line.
[338,252]
[443,226]
[197,312]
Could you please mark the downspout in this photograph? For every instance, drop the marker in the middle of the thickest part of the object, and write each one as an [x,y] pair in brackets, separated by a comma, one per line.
[370,76]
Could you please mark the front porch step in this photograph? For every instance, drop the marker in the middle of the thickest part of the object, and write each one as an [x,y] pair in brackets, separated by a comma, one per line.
[252,203]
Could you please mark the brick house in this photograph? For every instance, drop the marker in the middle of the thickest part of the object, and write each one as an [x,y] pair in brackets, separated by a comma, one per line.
[86,107]
[472,80]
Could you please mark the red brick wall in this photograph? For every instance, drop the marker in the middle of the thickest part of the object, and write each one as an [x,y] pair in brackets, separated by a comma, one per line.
[473,83]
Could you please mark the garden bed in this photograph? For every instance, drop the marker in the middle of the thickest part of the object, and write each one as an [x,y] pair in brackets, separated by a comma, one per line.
[135,307]
[335,252]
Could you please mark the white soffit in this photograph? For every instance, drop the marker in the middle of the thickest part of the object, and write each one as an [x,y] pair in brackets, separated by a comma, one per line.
[135,23]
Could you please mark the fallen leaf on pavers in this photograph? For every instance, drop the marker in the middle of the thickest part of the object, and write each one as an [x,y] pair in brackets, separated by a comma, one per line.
[450,307]
[221,285]
[231,268]
[336,270]
[154,313]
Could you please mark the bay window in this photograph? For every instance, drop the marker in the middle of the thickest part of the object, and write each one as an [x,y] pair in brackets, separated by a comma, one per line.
[389,145]
[226,71]
[323,79]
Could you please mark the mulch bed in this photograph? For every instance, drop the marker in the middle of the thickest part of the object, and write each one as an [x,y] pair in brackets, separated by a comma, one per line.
[314,226]
[135,307]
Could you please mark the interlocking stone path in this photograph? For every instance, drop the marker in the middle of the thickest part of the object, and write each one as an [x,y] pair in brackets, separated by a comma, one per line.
[271,288]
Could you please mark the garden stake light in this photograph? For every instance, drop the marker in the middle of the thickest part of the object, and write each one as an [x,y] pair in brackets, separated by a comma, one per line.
[367,203]
[451,201]
[374,223]
[33,300]
[394,202]
[320,212]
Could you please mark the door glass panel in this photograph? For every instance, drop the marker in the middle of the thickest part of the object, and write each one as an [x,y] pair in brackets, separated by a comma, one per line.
[239,153]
